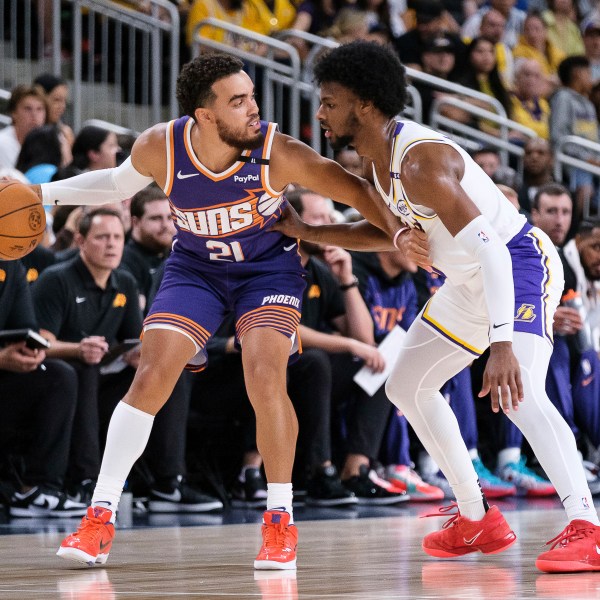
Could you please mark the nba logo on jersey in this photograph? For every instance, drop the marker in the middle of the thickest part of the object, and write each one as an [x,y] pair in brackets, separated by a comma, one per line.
[483,237]
[585,503]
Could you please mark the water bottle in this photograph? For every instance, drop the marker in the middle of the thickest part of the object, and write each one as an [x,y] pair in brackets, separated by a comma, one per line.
[583,338]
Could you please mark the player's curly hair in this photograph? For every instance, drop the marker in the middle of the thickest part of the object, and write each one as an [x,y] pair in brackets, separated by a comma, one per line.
[195,81]
[372,72]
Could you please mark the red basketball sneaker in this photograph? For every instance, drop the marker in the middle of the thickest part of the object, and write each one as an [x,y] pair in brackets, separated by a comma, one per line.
[460,535]
[280,539]
[92,541]
[576,548]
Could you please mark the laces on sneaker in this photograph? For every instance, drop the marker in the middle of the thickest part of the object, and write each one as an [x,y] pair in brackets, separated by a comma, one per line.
[442,512]
[274,535]
[90,529]
[570,534]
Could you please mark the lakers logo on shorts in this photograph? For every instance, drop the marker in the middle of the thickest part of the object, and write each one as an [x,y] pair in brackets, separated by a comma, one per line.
[525,313]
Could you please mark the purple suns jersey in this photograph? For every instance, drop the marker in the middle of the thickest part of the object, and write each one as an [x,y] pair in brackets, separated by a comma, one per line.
[224,217]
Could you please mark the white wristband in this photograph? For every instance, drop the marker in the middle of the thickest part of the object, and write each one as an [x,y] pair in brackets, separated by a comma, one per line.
[398,233]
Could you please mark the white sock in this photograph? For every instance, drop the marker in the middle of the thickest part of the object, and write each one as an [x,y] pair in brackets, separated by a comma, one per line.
[581,507]
[279,497]
[127,436]
[469,499]
[508,456]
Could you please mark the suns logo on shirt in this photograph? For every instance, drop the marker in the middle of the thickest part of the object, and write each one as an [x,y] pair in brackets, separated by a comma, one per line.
[120,300]
[314,291]
[2,275]
[32,275]
[223,219]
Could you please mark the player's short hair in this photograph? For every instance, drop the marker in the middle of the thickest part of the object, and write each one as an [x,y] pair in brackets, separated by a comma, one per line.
[85,223]
[137,208]
[195,81]
[373,72]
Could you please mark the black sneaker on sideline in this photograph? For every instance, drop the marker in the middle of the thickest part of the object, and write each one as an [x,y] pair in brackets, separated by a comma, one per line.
[82,492]
[251,493]
[180,497]
[326,489]
[370,489]
[39,502]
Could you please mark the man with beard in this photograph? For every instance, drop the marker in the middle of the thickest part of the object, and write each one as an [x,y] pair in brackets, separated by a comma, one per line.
[152,232]
[225,172]
[504,280]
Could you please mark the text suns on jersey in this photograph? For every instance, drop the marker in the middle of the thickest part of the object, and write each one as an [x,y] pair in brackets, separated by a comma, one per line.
[227,218]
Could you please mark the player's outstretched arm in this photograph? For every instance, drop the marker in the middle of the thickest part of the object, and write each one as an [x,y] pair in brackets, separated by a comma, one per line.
[105,186]
[360,235]
[294,162]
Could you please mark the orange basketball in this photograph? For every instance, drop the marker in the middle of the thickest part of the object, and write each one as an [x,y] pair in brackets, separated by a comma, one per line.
[22,220]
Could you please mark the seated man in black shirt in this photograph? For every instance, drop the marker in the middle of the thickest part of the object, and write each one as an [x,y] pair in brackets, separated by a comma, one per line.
[86,305]
[152,232]
[38,404]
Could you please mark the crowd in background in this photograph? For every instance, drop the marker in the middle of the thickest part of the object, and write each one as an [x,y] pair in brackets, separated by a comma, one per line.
[88,287]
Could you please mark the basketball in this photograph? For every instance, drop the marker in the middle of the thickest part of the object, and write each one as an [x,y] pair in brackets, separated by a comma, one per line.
[22,220]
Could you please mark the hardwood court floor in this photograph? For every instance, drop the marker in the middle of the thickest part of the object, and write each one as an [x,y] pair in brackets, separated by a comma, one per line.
[362,558]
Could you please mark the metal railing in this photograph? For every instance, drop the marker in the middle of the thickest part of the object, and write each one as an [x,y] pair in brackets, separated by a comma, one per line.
[277,71]
[121,64]
[118,129]
[472,137]
[563,160]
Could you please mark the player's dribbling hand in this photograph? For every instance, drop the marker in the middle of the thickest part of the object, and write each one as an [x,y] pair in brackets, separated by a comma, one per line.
[502,378]
[415,246]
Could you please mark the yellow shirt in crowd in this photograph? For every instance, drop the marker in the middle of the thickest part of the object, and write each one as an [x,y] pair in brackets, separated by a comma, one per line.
[254,15]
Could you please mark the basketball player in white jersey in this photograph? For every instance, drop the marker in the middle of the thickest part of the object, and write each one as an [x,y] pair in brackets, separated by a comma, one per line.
[503,283]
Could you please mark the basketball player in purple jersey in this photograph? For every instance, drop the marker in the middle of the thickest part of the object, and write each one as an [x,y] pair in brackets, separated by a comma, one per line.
[225,172]
[503,283]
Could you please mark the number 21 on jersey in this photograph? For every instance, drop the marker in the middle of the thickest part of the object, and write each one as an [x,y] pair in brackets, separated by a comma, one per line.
[225,252]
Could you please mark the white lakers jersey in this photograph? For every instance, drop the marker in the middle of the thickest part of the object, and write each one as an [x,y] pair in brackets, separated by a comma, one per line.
[447,255]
